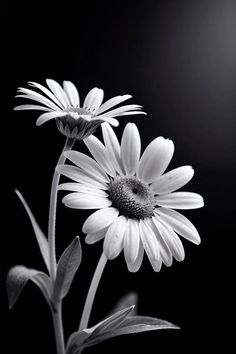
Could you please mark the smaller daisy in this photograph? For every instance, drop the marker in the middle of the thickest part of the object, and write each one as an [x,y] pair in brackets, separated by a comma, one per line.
[73,119]
[134,196]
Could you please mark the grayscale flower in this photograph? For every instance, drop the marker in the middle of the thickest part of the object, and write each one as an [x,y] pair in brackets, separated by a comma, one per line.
[134,196]
[73,119]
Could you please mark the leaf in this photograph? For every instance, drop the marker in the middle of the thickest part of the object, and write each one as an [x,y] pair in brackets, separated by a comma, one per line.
[41,239]
[17,278]
[67,267]
[126,301]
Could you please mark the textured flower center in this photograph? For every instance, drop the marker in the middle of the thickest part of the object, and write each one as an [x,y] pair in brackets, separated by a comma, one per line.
[132,197]
[77,112]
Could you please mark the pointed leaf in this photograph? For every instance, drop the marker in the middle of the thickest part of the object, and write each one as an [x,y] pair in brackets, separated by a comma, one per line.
[126,301]
[67,267]
[17,278]
[42,240]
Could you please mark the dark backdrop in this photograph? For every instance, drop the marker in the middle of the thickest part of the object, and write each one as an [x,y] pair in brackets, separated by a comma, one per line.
[177,58]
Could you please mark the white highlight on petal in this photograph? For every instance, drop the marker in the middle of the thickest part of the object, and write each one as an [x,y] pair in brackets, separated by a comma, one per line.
[113,147]
[149,241]
[100,220]
[112,102]
[120,110]
[131,241]
[130,148]
[93,99]
[85,201]
[180,200]
[173,180]
[24,107]
[111,121]
[43,118]
[58,92]
[82,188]
[72,93]
[171,239]
[95,236]
[180,224]
[113,243]
[35,96]
[88,164]
[134,267]
[100,154]
[155,159]
[46,92]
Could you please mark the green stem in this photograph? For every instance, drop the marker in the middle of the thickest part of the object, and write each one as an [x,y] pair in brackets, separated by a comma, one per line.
[58,329]
[52,212]
[91,293]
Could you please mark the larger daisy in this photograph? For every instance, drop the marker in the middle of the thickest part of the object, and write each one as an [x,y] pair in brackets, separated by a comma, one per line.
[134,196]
[63,104]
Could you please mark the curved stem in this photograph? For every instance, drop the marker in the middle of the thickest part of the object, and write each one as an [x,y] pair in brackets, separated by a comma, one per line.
[58,328]
[92,291]
[52,211]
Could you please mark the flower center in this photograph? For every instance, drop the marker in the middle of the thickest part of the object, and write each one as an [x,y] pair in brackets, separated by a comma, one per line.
[132,197]
[78,112]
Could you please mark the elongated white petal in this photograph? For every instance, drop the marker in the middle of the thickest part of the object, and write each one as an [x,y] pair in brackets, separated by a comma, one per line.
[85,201]
[93,99]
[58,92]
[78,175]
[46,92]
[172,180]
[113,242]
[155,159]
[180,224]
[117,111]
[82,188]
[134,266]
[130,113]
[171,239]
[111,121]
[180,200]
[87,164]
[112,102]
[35,96]
[24,107]
[48,116]
[149,241]
[130,148]
[72,93]
[95,236]
[100,220]
[131,241]
[99,152]
[113,147]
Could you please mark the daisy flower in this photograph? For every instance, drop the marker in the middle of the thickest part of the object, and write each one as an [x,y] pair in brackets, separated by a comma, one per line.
[63,104]
[134,197]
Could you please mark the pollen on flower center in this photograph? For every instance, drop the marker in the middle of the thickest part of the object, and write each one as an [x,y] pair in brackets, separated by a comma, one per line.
[78,112]
[131,197]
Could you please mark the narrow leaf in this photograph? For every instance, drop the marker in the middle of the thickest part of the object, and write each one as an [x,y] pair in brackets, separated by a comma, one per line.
[18,276]
[41,239]
[67,267]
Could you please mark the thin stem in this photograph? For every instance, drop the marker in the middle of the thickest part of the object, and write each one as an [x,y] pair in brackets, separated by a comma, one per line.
[91,293]
[52,212]
[58,329]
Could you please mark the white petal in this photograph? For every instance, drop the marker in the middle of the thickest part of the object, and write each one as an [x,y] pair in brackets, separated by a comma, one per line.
[72,93]
[173,180]
[155,159]
[180,224]
[85,201]
[131,241]
[58,92]
[93,99]
[47,92]
[112,146]
[112,102]
[35,96]
[120,110]
[95,236]
[171,239]
[87,163]
[100,220]
[134,267]
[82,188]
[130,113]
[48,116]
[113,243]
[31,106]
[78,175]
[149,241]
[112,121]
[130,148]
[99,152]
[180,200]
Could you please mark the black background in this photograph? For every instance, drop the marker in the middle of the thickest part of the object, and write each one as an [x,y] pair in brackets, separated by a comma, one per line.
[177,59]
